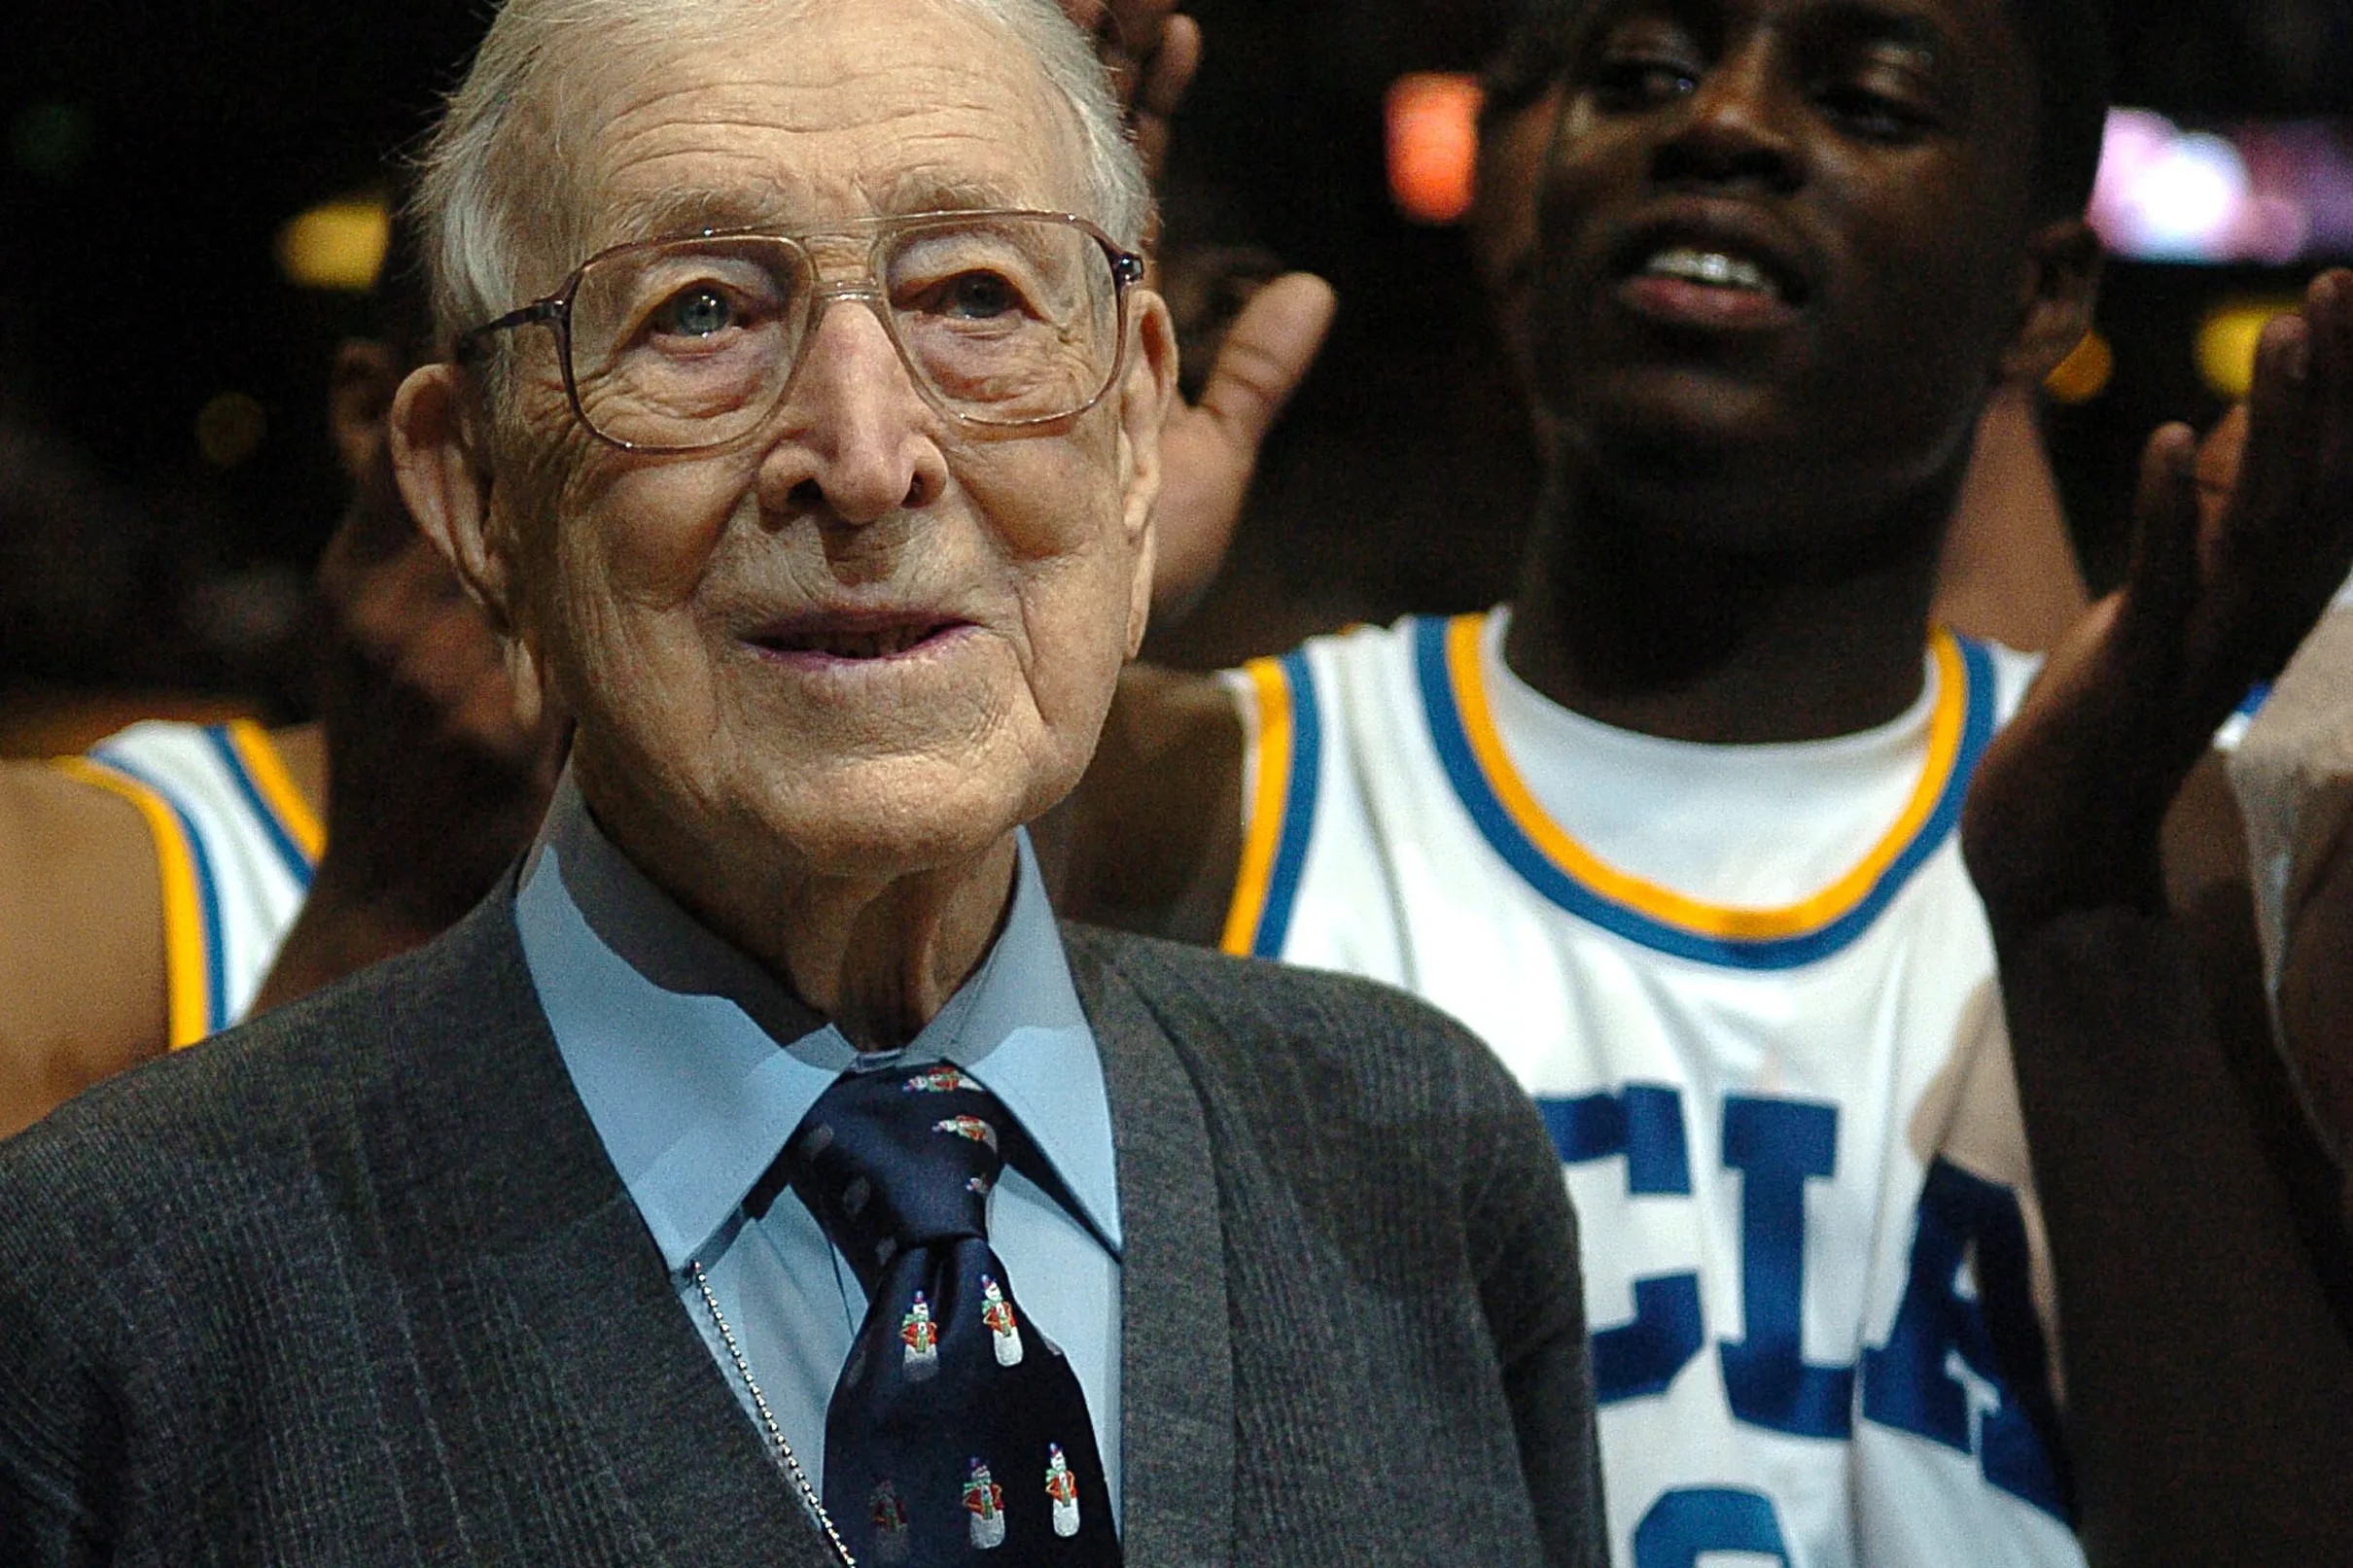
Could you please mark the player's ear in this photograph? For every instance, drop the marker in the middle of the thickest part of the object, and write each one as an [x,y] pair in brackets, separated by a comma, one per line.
[2058,288]
[359,389]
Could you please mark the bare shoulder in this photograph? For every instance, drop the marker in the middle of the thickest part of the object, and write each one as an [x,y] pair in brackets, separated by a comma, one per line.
[82,982]
[1150,839]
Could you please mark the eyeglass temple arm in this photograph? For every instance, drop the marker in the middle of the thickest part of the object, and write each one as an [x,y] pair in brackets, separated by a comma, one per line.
[470,342]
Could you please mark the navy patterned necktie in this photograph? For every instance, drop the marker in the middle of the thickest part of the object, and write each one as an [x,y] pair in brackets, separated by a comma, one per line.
[957,1432]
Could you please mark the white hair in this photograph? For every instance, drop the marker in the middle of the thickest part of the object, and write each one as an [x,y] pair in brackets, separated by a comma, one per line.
[497,179]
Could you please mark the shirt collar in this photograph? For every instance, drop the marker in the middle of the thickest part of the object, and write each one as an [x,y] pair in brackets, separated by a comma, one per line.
[672,1036]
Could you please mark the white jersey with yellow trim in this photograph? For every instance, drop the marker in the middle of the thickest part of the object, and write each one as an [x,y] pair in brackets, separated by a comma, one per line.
[1751,989]
[235,845]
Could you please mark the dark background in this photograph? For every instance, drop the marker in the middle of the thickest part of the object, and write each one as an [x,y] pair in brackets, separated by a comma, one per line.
[153,151]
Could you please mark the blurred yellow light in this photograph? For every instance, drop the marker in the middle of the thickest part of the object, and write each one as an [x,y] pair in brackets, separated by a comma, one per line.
[2226,343]
[337,245]
[1434,143]
[2084,375]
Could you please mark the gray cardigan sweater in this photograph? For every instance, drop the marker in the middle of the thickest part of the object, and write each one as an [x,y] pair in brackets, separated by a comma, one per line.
[355,1284]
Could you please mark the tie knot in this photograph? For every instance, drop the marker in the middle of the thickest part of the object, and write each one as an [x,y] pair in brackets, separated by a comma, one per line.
[888,1161]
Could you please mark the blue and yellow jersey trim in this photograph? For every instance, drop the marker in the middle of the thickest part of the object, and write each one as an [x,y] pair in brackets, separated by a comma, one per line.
[195,947]
[1283,805]
[262,777]
[1565,872]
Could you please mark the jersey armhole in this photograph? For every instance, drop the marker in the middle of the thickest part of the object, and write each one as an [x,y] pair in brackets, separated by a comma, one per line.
[188,945]
[261,770]
[1280,747]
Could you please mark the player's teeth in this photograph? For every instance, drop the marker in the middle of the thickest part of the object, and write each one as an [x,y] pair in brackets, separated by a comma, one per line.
[1713,268]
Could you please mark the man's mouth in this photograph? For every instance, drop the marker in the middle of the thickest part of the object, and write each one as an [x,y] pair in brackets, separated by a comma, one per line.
[1690,283]
[857,637]
[1709,270]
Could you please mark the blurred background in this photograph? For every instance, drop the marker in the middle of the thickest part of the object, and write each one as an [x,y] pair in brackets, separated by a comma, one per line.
[190,231]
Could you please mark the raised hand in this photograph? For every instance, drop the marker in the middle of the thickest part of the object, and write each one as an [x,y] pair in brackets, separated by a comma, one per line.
[1152,53]
[1210,449]
[2065,808]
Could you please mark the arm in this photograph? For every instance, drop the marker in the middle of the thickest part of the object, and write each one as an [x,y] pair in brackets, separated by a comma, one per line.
[2209,1385]
[82,982]
[1151,838]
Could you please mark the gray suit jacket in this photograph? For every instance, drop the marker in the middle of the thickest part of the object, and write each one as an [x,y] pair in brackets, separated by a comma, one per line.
[357,1285]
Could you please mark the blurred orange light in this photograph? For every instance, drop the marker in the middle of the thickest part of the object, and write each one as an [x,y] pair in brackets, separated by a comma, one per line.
[2083,374]
[1434,143]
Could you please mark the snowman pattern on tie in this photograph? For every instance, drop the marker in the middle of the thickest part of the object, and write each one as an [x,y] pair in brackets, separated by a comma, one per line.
[1062,1489]
[985,1501]
[889,1518]
[1004,1330]
[921,1338]
[860,1169]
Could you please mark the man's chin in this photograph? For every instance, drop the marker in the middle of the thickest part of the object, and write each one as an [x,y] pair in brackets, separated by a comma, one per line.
[883,823]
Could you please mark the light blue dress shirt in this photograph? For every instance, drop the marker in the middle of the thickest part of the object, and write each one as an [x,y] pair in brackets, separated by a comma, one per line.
[695,1064]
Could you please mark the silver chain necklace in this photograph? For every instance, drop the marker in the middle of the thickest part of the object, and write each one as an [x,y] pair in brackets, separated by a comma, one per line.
[768,1419]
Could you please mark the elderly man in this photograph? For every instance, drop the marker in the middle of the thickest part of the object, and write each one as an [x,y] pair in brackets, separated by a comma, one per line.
[763,1155]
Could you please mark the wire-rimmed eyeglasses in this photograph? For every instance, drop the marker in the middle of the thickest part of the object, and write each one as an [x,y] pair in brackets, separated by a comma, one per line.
[1004,318]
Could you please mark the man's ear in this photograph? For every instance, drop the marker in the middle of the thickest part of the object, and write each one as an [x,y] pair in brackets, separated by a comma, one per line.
[1147,394]
[2057,297]
[360,388]
[444,477]
[446,481]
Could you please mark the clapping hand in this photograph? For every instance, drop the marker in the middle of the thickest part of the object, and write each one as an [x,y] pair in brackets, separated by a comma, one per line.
[2065,809]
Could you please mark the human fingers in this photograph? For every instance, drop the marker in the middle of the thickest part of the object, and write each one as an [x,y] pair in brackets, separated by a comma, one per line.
[1173,65]
[1127,34]
[2218,458]
[1266,354]
[2287,534]
[2278,438]
[1166,78]
[2162,575]
[2329,481]
[1209,450]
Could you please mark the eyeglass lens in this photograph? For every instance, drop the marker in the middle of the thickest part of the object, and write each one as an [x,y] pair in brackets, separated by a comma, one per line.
[1006,321]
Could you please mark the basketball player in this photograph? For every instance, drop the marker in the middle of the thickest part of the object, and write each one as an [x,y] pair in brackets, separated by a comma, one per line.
[1674,830]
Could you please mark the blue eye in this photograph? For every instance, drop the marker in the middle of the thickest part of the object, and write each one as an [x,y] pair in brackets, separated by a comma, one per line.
[695,313]
[978,296]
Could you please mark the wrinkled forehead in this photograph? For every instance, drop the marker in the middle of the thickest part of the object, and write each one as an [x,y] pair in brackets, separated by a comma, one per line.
[780,117]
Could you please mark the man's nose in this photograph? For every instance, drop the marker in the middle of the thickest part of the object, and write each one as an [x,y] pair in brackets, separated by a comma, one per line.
[858,441]
[1739,125]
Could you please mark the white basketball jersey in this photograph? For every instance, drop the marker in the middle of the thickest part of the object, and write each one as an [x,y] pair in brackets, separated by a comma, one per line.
[1751,989]
[235,845]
